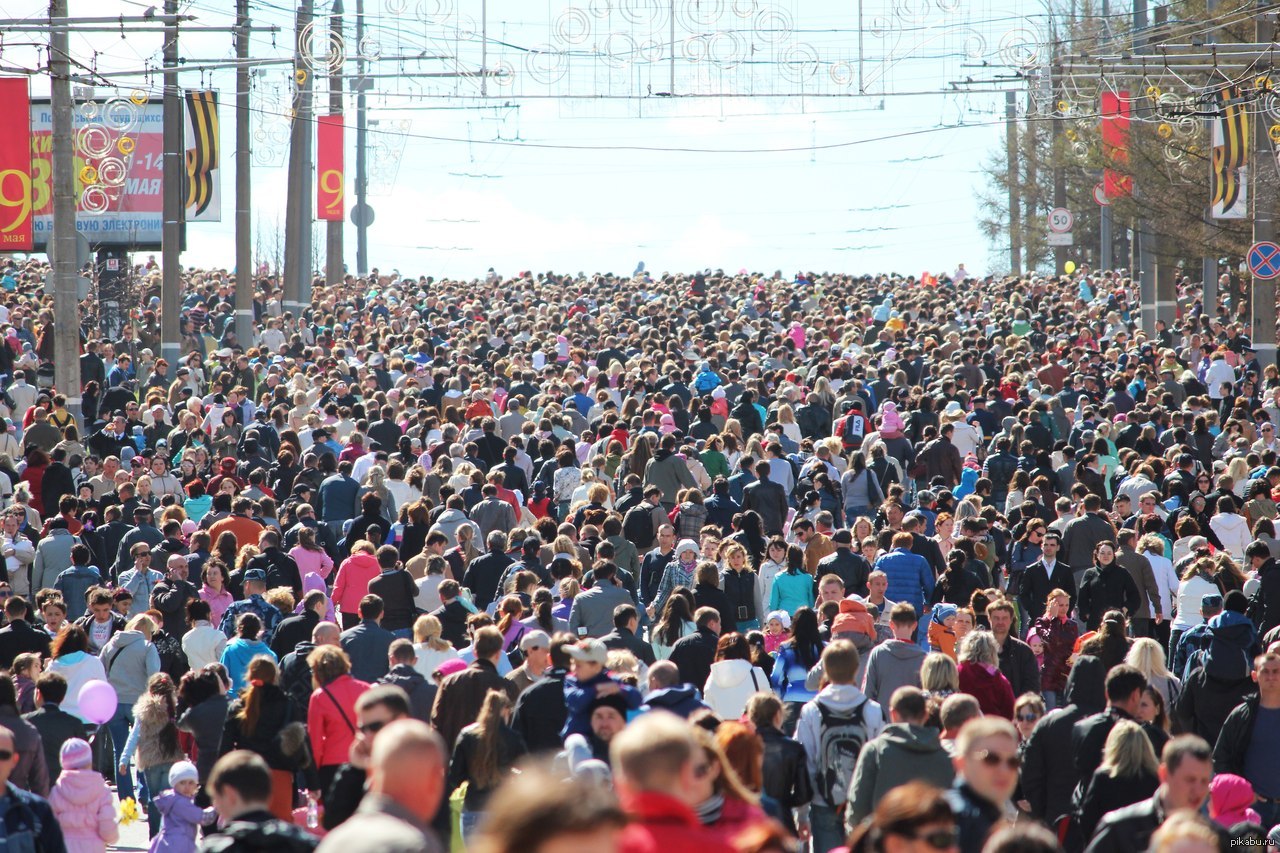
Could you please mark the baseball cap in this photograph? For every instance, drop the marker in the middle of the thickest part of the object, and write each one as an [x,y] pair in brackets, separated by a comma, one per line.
[255,575]
[535,640]
[591,651]
[1211,601]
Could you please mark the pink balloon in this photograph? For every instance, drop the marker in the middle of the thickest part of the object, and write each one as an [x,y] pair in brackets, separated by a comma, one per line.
[98,701]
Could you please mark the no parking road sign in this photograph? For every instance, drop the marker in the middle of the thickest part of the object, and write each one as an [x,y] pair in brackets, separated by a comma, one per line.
[1264,260]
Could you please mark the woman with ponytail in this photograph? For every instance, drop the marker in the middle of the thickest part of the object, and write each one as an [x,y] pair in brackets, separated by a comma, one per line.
[483,757]
[264,720]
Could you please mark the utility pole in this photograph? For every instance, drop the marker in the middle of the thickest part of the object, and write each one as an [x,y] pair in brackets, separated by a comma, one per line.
[361,210]
[1059,174]
[297,224]
[1143,233]
[66,367]
[1105,240]
[1263,293]
[1015,207]
[244,183]
[174,197]
[333,269]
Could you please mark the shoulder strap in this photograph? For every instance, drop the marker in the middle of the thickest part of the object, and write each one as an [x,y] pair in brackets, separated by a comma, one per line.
[754,681]
[112,660]
[337,705]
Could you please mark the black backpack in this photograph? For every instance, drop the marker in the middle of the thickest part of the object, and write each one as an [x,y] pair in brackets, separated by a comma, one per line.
[840,741]
[637,526]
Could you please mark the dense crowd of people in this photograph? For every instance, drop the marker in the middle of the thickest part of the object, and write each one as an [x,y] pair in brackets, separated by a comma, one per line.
[552,563]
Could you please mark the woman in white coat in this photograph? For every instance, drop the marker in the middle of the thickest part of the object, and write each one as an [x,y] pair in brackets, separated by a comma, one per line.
[734,679]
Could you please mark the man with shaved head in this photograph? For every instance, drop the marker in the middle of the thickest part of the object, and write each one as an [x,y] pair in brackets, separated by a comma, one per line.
[406,784]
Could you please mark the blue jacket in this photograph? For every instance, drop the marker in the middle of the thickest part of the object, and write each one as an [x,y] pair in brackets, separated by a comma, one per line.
[791,592]
[910,578]
[339,498]
[236,657]
[73,583]
[367,644]
[579,696]
[29,823]
[789,675]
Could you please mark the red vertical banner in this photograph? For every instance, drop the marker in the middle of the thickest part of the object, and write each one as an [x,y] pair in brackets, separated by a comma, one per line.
[15,166]
[330,181]
[1115,144]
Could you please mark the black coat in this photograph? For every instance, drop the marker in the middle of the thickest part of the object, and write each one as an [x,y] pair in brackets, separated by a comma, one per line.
[453,620]
[18,637]
[1130,828]
[56,726]
[280,568]
[1107,588]
[1036,584]
[713,596]
[1088,737]
[1107,793]
[786,774]
[292,631]
[621,638]
[769,500]
[1229,752]
[1206,702]
[397,591]
[694,654]
[275,712]
[540,713]
[851,568]
[295,675]
[1265,606]
[1048,774]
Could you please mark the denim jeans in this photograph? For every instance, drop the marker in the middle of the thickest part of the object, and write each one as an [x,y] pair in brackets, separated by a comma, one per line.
[827,828]
[119,726]
[157,779]
[1052,700]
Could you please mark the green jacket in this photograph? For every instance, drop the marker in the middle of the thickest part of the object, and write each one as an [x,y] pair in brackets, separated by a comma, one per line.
[902,753]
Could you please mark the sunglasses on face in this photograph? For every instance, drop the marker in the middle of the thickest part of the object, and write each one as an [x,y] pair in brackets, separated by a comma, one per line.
[373,728]
[938,839]
[994,759]
[1028,717]
[6,754]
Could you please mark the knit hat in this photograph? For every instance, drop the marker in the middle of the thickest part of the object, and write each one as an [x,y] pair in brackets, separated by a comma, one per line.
[688,545]
[182,771]
[782,616]
[943,611]
[75,754]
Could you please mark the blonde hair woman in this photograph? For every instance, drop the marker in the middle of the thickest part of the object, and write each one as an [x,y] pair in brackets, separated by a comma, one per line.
[1147,656]
[432,649]
[1126,776]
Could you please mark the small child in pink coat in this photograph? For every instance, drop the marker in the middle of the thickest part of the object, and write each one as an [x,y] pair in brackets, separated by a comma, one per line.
[82,801]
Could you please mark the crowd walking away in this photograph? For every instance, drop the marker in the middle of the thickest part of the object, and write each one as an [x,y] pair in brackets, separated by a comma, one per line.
[547,563]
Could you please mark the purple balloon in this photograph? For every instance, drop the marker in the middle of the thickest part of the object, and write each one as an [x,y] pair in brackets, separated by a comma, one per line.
[98,701]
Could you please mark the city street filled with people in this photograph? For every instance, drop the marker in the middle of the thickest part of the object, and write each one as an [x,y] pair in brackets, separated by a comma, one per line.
[690,561]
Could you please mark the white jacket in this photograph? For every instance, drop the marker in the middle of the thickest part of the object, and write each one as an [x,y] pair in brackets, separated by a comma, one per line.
[1233,532]
[731,684]
[203,644]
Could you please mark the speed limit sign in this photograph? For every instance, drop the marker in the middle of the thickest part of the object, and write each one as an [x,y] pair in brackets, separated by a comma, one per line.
[1060,220]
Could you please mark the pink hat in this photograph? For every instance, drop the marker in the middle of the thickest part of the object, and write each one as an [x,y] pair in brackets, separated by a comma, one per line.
[451,666]
[75,754]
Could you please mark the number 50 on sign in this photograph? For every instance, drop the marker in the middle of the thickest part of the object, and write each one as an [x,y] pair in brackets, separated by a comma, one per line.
[330,180]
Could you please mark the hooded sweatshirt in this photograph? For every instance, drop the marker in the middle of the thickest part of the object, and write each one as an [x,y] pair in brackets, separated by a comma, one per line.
[891,665]
[1231,800]
[841,698]
[902,753]
[1233,532]
[82,803]
[731,684]
[129,661]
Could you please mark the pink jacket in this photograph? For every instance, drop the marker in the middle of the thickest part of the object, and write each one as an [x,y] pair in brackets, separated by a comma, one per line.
[312,561]
[82,803]
[352,582]
[312,582]
[218,602]
[331,729]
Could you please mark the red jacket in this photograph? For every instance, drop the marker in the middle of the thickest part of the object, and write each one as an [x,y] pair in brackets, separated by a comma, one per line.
[331,732]
[993,692]
[663,824]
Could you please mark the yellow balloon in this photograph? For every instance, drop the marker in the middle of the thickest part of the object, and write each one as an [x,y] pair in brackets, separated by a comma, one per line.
[1070,267]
